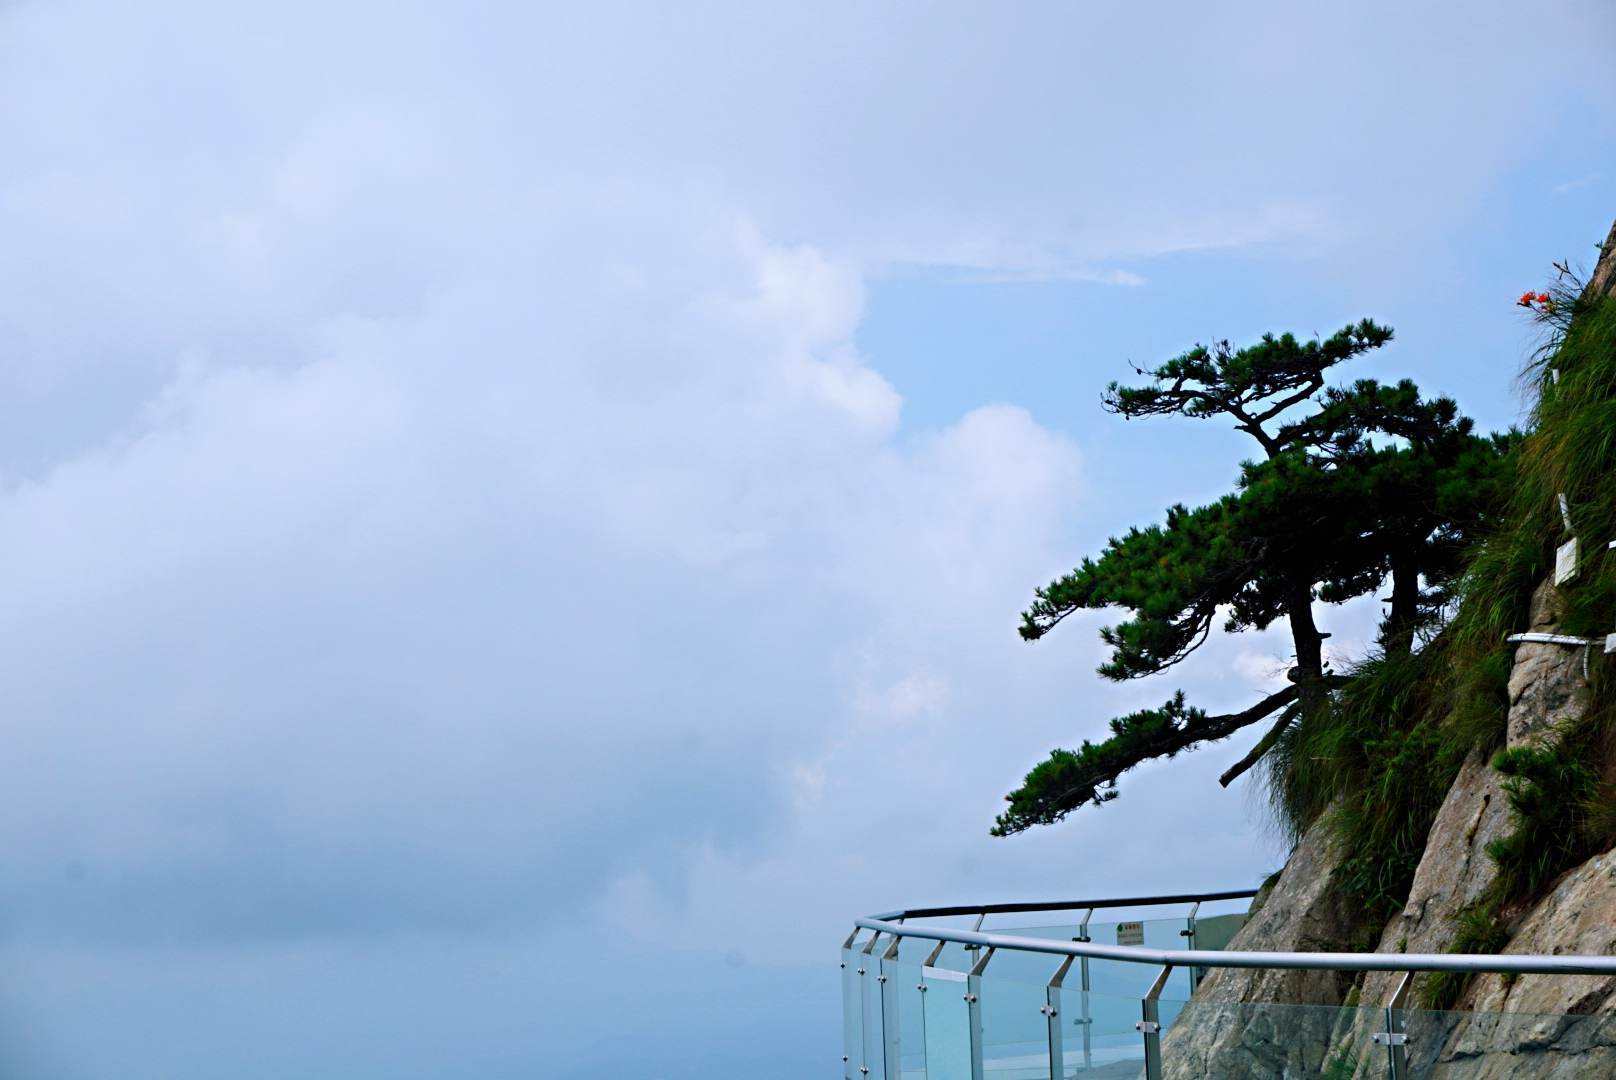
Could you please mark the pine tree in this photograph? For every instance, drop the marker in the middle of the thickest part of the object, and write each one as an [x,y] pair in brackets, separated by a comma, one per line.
[1257,386]
[1329,512]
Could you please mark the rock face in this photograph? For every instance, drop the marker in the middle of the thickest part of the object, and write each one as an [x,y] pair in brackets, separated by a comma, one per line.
[1541,1027]
[1233,1030]
[1547,686]
[1452,874]
[1229,1030]
[1603,281]
[1546,689]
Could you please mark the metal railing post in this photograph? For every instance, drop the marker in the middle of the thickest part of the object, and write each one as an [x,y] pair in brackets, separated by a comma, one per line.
[973,952]
[1150,1024]
[892,1065]
[1087,1020]
[1057,1043]
[1188,933]
[973,1004]
[1394,1038]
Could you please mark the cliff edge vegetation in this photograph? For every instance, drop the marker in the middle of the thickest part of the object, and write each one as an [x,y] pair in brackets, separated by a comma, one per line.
[1452,790]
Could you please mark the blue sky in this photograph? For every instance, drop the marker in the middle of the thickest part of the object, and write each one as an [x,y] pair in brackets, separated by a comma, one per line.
[514,520]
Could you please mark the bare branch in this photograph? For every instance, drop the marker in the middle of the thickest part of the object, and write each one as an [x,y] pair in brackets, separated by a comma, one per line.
[1264,744]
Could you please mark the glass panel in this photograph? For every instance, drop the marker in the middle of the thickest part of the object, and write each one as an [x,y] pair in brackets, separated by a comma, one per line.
[870,1010]
[852,1029]
[1214,932]
[914,950]
[1103,925]
[1057,932]
[1453,1044]
[1116,977]
[947,1025]
[904,982]
[1264,1041]
[1117,1048]
[1015,1029]
[1030,967]
[954,957]
[1113,1048]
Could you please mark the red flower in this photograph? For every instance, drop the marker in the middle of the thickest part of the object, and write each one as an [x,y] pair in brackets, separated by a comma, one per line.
[1543,298]
[1526,299]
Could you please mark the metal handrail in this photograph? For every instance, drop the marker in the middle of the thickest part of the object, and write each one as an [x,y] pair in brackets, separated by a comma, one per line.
[1327,961]
[1063,905]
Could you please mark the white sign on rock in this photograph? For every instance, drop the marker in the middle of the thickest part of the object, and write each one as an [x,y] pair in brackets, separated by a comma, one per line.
[1565,561]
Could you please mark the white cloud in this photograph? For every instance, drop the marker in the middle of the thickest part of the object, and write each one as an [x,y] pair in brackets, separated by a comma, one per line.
[1575,185]
[915,695]
[1262,670]
[396,606]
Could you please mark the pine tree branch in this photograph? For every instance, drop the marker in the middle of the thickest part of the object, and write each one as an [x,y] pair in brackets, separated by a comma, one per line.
[1069,779]
[1308,389]
[1221,727]
[1264,744]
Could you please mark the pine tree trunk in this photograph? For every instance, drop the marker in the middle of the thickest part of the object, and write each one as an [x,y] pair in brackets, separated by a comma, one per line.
[1397,632]
[1309,673]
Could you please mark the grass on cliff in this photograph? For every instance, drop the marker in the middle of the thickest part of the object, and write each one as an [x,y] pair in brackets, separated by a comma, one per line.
[1386,752]
[1560,790]
[1561,793]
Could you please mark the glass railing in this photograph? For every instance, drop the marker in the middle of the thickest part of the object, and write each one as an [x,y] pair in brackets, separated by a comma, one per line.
[913,1009]
[1033,1031]
[1051,999]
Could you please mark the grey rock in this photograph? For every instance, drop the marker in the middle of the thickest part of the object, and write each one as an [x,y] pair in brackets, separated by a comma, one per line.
[1547,687]
[1537,1027]
[1603,281]
[1231,1028]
